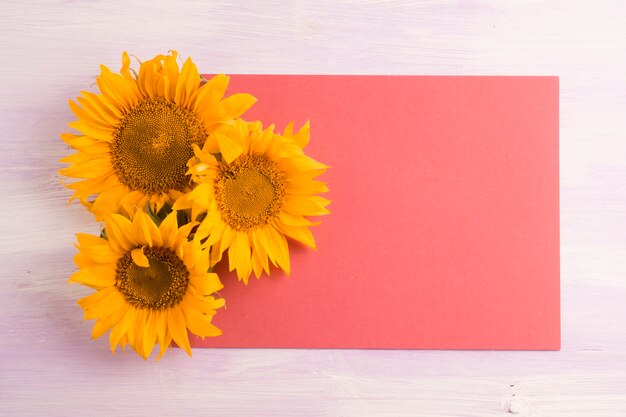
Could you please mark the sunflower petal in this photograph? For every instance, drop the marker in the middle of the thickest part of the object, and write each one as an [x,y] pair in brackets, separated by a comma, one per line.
[169,229]
[99,276]
[200,324]
[105,323]
[302,137]
[229,148]
[141,318]
[237,104]
[206,284]
[176,326]
[142,225]
[125,70]
[279,250]
[188,81]
[239,256]
[121,329]
[150,333]
[140,258]
[310,205]
[301,234]
[161,327]
[113,301]
[92,131]
[211,92]
[118,229]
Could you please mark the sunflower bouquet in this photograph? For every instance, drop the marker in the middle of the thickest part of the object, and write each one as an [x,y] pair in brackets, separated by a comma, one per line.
[179,179]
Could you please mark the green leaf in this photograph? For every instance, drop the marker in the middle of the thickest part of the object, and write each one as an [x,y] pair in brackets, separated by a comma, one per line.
[155,218]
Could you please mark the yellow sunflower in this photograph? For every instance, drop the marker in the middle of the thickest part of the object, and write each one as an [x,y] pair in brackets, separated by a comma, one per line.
[137,133]
[152,283]
[255,187]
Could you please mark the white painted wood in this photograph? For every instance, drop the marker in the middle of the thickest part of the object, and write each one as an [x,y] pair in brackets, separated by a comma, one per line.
[50,50]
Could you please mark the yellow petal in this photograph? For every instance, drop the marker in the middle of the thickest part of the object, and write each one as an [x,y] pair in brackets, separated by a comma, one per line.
[295,219]
[239,256]
[139,258]
[105,323]
[118,230]
[141,319]
[95,298]
[92,131]
[114,86]
[97,253]
[169,229]
[204,304]
[124,341]
[97,109]
[262,141]
[142,225]
[237,104]
[206,284]
[305,186]
[166,343]
[107,306]
[132,201]
[302,137]
[241,135]
[93,168]
[77,141]
[121,328]
[301,234]
[260,254]
[301,164]
[200,324]
[161,327]
[178,329]
[96,276]
[226,236]
[188,81]
[202,195]
[279,250]
[105,103]
[211,93]
[257,265]
[85,240]
[208,224]
[229,148]
[306,205]
[125,70]
[150,333]
[92,118]
[288,131]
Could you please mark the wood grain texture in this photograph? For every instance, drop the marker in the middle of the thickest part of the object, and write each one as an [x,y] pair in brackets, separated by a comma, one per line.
[51,49]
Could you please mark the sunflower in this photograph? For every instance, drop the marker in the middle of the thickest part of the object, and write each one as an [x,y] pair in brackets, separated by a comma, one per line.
[254,189]
[137,133]
[152,283]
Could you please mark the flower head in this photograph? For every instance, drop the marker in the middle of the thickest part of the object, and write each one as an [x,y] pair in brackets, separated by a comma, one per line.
[152,283]
[137,134]
[255,188]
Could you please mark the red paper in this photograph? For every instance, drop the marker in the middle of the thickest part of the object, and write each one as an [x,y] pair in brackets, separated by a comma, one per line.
[444,224]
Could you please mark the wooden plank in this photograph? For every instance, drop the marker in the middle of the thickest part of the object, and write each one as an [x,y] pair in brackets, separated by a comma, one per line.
[51,50]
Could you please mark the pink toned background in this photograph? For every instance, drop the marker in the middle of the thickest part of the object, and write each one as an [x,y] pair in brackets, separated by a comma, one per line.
[444,225]
[48,365]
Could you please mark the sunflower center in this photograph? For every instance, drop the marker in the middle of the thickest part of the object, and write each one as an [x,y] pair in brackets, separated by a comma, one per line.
[249,192]
[152,145]
[161,285]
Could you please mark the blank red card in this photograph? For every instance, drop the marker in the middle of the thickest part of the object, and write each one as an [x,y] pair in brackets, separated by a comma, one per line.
[444,223]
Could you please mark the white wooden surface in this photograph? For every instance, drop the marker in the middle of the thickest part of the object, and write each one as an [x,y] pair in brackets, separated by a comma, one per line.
[51,49]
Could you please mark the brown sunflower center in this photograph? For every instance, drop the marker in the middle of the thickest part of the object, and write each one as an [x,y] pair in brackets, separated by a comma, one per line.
[161,285]
[152,145]
[249,192]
